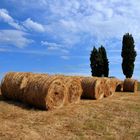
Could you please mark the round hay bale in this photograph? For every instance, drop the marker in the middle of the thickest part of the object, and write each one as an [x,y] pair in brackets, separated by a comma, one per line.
[74,89]
[130,85]
[110,86]
[114,82]
[93,88]
[73,84]
[107,87]
[45,92]
[12,86]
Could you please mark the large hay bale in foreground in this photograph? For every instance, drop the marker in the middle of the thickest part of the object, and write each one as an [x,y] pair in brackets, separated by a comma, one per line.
[40,90]
[130,85]
[93,87]
[12,85]
[45,91]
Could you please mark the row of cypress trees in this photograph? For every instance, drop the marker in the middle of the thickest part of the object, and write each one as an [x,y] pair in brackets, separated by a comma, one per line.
[99,62]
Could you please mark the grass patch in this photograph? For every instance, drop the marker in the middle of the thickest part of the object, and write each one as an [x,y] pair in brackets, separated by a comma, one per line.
[96,125]
[138,86]
[134,107]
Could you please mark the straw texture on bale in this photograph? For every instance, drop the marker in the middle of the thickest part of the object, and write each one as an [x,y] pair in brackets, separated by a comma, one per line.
[40,90]
[45,91]
[93,87]
[74,89]
[73,84]
[114,82]
[130,85]
[107,87]
[111,85]
[12,85]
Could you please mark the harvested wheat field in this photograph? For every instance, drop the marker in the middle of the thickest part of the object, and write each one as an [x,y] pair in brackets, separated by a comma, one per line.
[115,117]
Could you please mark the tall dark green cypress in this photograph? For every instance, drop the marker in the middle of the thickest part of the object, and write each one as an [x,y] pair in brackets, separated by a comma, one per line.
[128,55]
[93,61]
[96,63]
[105,66]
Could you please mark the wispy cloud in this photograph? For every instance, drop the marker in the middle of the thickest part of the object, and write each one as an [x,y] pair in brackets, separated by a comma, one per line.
[33,26]
[4,15]
[51,46]
[65,57]
[14,37]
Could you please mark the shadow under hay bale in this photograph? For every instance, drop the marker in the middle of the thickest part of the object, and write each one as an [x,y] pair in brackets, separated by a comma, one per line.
[130,85]
[119,87]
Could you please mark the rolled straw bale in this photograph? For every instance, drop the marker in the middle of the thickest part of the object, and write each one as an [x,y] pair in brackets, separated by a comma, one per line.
[107,87]
[46,92]
[111,85]
[114,82]
[93,87]
[74,89]
[73,84]
[130,85]
[12,86]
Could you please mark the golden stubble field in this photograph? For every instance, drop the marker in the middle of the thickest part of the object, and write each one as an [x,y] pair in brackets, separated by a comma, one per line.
[116,117]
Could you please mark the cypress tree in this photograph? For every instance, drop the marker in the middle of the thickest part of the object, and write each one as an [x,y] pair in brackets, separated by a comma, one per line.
[93,61]
[96,63]
[105,66]
[128,55]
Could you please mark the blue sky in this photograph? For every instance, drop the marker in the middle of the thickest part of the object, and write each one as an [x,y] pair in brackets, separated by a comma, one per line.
[57,36]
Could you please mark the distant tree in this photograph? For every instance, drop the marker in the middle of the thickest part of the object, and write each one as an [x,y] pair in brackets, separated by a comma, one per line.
[93,61]
[100,65]
[96,63]
[105,65]
[128,55]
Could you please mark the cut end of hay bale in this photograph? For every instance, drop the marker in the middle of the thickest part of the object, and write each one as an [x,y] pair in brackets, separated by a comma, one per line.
[75,89]
[57,94]
[93,88]
[130,85]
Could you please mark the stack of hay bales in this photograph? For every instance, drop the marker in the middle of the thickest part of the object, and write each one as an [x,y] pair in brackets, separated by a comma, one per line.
[130,85]
[41,90]
[55,91]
